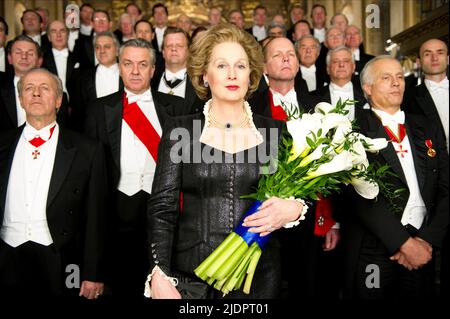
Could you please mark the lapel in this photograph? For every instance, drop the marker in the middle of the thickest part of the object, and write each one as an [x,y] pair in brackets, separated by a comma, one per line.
[71,61]
[425,101]
[65,153]
[160,108]
[10,157]
[358,95]
[189,94]
[9,99]
[326,93]
[50,63]
[89,47]
[376,130]
[90,83]
[415,131]
[113,120]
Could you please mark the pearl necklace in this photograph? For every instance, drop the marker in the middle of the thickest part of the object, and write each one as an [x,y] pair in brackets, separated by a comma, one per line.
[229,126]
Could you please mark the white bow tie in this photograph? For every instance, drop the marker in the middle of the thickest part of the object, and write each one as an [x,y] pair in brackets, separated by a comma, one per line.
[144,97]
[175,76]
[397,118]
[440,85]
[30,132]
[63,53]
[337,88]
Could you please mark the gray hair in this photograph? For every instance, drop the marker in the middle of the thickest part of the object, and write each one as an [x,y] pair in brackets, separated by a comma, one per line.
[366,76]
[334,28]
[339,48]
[338,14]
[306,36]
[56,79]
[274,25]
[108,34]
[139,43]
[126,15]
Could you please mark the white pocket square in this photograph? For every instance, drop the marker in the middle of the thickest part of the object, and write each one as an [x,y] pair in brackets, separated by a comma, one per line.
[76,66]
[366,106]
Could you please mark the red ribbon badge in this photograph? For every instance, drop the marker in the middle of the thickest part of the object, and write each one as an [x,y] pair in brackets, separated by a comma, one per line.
[431,152]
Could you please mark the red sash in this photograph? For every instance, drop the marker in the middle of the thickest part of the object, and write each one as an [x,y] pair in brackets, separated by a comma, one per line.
[141,126]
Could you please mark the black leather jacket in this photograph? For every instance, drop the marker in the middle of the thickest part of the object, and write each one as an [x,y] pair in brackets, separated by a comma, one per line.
[212,207]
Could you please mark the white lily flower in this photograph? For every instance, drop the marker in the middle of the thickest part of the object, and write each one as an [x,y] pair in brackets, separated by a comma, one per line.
[375,144]
[316,154]
[323,107]
[365,188]
[340,134]
[299,130]
[333,120]
[358,153]
[339,163]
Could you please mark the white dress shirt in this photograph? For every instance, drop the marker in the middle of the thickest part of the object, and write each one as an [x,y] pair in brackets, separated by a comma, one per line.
[137,166]
[415,209]
[180,89]
[21,116]
[356,54]
[159,36]
[36,38]
[258,32]
[25,216]
[288,101]
[85,29]
[2,60]
[309,75]
[439,94]
[319,34]
[106,80]
[345,92]
[61,64]
[73,36]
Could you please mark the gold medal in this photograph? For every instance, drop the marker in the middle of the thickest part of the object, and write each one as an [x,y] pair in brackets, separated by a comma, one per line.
[431,152]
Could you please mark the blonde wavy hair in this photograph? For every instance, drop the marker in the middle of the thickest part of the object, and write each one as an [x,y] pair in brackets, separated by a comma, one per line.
[201,50]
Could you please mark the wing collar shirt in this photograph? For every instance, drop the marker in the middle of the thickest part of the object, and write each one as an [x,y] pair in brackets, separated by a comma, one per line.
[61,64]
[415,210]
[28,185]
[345,92]
[439,94]
[2,60]
[159,36]
[137,166]
[309,75]
[107,79]
[260,33]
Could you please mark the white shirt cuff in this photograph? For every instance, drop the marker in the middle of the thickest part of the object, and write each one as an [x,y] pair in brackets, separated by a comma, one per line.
[302,214]
[336,226]
[148,289]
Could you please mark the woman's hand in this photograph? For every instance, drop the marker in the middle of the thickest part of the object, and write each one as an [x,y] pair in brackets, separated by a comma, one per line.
[162,288]
[273,214]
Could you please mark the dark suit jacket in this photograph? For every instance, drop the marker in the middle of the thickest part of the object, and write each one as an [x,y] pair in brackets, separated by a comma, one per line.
[321,80]
[363,59]
[418,100]
[8,108]
[323,95]
[375,218]
[84,51]
[85,93]
[104,123]
[50,64]
[75,202]
[260,103]
[193,102]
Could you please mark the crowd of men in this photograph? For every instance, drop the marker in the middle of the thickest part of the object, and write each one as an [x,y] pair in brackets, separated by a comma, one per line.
[90,69]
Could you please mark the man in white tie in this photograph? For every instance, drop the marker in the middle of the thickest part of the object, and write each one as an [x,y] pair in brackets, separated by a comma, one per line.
[394,237]
[354,39]
[59,60]
[340,68]
[309,78]
[129,124]
[160,16]
[258,30]
[319,20]
[431,99]
[23,54]
[31,21]
[52,201]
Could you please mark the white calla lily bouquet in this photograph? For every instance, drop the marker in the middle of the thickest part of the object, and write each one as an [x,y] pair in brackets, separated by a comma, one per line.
[321,153]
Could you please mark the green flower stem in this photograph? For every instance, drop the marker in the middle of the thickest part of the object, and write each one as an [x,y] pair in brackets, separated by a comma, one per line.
[231,258]
[200,271]
[251,270]
[234,278]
